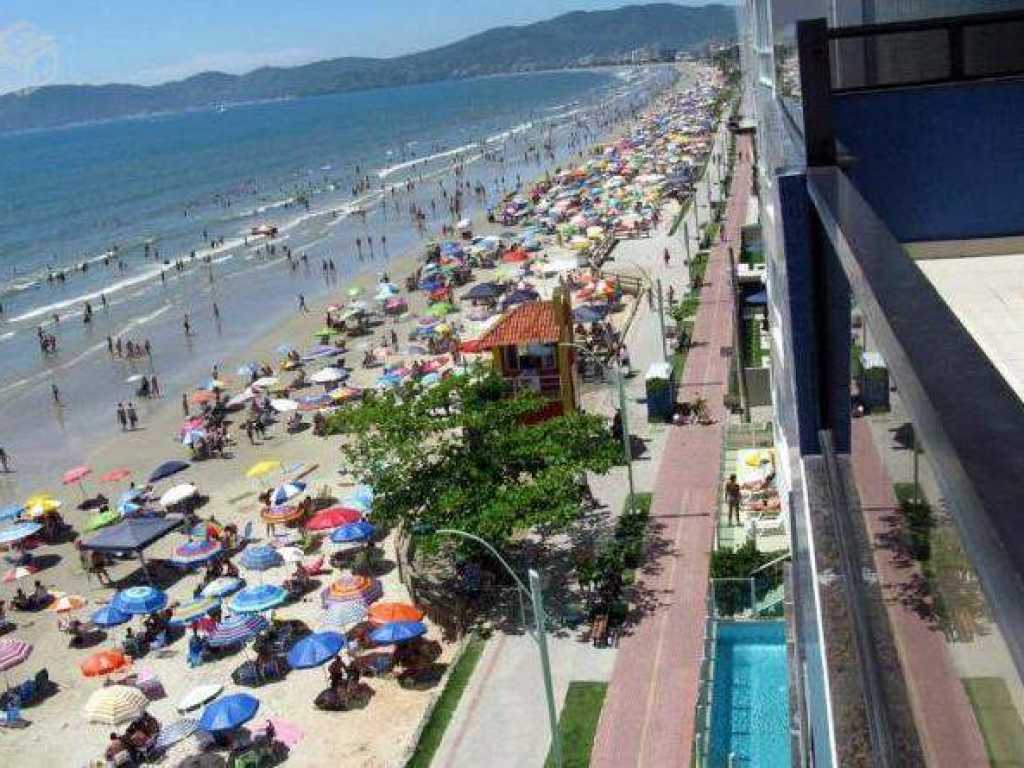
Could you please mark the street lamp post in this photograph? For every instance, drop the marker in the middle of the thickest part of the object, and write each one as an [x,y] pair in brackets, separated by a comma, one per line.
[661,321]
[539,635]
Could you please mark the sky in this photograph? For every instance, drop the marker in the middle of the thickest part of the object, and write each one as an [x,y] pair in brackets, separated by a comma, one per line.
[151,41]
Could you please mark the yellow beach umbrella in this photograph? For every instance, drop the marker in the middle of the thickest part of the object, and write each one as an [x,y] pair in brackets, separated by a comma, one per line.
[39,497]
[41,507]
[261,468]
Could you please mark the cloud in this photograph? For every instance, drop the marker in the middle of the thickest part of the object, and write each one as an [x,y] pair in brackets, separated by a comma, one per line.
[233,62]
[29,57]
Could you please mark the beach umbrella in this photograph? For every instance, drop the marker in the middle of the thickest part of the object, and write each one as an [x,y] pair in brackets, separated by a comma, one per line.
[332,517]
[261,468]
[103,663]
[222,586]
[167,469]
[172,733]
[260,597]
[240,399]
[116,704]
[328,375]
[198,696]
[103,519]
[482,291]
[109,616]
[440,309]
[286,491]
[19,572]
[345,614]
[127,508]
[75,475]
[398,632]
[13,652]
[178,494]
[116,475]
[42,507]
[229,712]
[193,610]
[388,613]
[196,552]
[201,396]
[141,600]
[315,649]
[37,498]
[352,587]
[237,629]
[18,531]
[357,531]
[313,402]
[260,558]
[66,603]
[284,405]
[132,494]
[321,350]
[281,514]
[266,382]
[11,512]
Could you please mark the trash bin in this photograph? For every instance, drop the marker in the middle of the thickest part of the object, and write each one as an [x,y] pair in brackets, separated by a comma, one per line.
[874,382]
[661,392]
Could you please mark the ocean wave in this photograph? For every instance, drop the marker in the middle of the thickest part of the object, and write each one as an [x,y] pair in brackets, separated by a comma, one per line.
[48,309]
[385,172]
[506,135]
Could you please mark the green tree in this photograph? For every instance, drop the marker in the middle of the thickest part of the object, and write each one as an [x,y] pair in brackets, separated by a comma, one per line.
[465,454]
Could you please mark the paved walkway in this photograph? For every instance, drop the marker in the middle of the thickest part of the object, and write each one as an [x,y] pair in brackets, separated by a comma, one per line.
[942,713]
[648,717]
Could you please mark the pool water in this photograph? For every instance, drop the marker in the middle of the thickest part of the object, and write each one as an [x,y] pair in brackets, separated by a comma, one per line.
[750,704]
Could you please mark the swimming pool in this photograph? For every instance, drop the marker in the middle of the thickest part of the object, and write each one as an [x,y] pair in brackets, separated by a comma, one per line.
[750,701]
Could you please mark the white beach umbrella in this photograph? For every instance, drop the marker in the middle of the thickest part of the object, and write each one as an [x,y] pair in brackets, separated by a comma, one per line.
[198,696]
[178,494]
[265,383]
[283,405]
[241,398]
[328,375]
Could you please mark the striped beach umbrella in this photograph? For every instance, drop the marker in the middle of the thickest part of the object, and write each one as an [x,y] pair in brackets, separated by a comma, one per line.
[398,632]
[18,531]
[345,614]
[116,704]
[280,514]
[137,601]
[196,552]
[352,588]
[193,610]
[172,733]
[261,558]
[237,629]
[104,663]
[286,491]
[260,597]
[222,586]
[357,531]
[13,652]
[229,712]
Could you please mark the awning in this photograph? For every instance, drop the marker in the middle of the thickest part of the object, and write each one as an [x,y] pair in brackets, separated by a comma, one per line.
[132,535]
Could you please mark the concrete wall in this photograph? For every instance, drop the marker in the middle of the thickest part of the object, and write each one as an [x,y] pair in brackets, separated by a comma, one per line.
[938,162]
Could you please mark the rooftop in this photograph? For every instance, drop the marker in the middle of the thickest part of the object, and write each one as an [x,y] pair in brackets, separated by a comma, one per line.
[534,322]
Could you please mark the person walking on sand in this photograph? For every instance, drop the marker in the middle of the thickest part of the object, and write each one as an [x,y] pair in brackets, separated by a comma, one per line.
[302,303]
[4,465]
[122,416]
[133,417]
[154,386]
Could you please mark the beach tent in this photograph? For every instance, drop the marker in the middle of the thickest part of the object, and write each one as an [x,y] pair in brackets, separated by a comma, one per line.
[133,535]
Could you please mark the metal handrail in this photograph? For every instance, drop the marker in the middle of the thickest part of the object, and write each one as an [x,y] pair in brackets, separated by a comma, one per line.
[771,563]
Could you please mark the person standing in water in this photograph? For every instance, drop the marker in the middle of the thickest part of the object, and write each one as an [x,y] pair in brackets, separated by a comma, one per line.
[133,417]
[56,394]
[187,326]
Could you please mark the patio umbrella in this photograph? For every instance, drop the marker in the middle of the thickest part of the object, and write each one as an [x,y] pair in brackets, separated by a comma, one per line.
[260,597]
[229,712]
[116,704]
[178,494]
[75,476]
[196,552]
[261,558]
[283,405]
[357,531]
[103,519]
[261,468]
[332,517]
[13,652]
[116,475]
[198,696]
[280,514]
[352,587]
[109,616]
[193,610]
[19,572]
[167,469]
[235,630]
[398,632]
[286,491]
[174,732]
[138,601]
[315,649]
[387,613]
[11,511]
[103,663]
[345,614]
[222,586]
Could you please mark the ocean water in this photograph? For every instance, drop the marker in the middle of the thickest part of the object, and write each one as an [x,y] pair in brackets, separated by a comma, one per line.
[113,206]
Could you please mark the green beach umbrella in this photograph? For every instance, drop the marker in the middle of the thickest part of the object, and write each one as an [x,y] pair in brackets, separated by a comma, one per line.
[440,309]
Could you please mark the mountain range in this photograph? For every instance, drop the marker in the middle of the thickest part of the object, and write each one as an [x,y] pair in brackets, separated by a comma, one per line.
[581,38]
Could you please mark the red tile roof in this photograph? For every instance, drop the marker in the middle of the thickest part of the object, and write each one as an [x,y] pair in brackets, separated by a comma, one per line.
[534,322]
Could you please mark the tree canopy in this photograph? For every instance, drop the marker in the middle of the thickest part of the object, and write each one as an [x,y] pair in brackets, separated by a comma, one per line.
[465,454]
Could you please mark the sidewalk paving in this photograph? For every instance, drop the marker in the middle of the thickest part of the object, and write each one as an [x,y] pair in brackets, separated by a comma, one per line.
[648,716]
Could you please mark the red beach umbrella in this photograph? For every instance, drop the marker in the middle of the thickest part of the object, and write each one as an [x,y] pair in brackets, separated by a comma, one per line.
[333,517]
[116,475]
[75,474]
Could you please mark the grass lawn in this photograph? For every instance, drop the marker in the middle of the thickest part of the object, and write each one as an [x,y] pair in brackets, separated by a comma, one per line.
[997,717]
[432,734]
[578,723]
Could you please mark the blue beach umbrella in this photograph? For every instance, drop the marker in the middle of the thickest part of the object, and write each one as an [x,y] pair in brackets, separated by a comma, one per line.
[132,494]
[260,597]
[286,491]
[261,558]
[357,531]
[229,712]
[167,469]
[222,586]
[235,630]
[313,650]
[137,601]
[11,512]
[127,508]
[345,614]
[18,531]
[398,632]
[193,610]
[109,616]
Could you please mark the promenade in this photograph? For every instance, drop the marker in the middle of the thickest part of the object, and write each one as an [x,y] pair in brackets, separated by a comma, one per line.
[648,716]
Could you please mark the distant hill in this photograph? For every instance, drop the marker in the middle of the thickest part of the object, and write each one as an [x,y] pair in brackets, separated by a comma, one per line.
[571,40]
